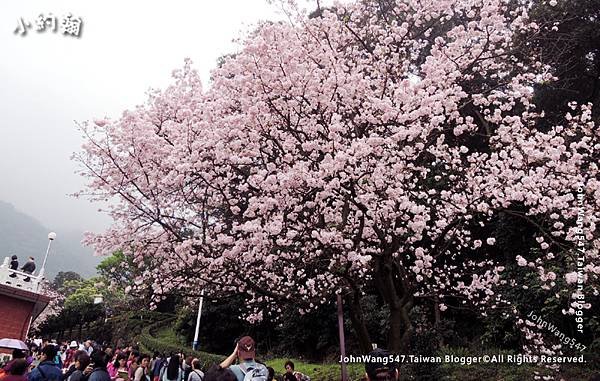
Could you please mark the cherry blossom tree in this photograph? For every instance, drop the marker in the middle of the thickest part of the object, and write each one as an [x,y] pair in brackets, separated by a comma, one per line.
[54,307]
[376,142]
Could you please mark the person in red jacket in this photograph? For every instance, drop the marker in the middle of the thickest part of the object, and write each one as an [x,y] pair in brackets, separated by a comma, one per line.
[70,355]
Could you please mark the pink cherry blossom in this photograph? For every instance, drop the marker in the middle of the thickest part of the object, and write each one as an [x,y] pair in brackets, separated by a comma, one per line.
[329,148]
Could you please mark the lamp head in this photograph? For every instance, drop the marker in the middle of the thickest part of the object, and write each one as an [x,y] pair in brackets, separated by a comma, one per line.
[52,236]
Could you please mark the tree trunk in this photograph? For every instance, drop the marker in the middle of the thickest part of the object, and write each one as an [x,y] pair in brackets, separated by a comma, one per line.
[394,287]
[438,319]
[400,325]
[358,321]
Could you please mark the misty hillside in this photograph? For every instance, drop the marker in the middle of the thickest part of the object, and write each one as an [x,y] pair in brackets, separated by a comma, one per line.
[24,236]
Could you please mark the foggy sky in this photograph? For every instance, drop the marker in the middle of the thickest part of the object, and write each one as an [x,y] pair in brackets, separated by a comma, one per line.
[49,80]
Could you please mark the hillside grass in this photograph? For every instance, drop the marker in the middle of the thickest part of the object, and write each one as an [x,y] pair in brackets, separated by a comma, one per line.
[320,372]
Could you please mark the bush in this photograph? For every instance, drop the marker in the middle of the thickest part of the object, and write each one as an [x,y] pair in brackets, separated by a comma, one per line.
[150,343]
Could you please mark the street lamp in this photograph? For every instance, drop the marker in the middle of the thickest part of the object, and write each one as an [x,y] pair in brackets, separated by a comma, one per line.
[51,237]
[195,343]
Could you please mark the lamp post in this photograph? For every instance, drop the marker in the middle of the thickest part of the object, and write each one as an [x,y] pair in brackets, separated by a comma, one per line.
[195,343]
[51,237]
[340,315]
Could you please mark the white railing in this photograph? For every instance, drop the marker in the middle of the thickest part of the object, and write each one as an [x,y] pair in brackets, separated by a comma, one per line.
[16,278]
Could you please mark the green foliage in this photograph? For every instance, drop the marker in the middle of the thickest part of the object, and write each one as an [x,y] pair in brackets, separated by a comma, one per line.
[168,344]
[319,372]
[376,316]
[63,277]
[424,343]
[117,270]
[220,325]
[312,335]
[82,295]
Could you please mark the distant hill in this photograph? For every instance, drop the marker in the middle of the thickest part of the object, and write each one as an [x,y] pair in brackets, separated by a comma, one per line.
[24,236]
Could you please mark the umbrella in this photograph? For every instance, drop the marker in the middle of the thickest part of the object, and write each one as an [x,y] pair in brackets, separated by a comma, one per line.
[13,344]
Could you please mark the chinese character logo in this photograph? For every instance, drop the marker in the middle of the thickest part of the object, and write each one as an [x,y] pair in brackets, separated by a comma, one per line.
[68,24]
[45,21]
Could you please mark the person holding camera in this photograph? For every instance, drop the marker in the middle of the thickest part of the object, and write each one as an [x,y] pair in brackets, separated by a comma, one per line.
[248,368]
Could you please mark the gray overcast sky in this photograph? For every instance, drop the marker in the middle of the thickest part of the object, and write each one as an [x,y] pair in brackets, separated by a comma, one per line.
[48,80]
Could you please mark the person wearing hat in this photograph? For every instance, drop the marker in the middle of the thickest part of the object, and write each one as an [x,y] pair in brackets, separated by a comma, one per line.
[380,366]
[245,352]
[70,355]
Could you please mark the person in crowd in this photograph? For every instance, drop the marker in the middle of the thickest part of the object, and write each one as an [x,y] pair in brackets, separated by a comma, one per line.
[196,374]
[47,369]
[156,359]
[82,362]
[29,357]
[271,373]
[216,373]
[119,365]
[70,354]
[379,370]
[64,347]
[289,369]
[58,358]
[142,373]
[29,268]
[155,356]
[122,370]
[173,370]
[187,367]
[133,365]
[245,351]
[72,367]
[99,372]
[159,363]
[17,371]
[133,356]
[88,348]
[14,265]
[17,354]
[289,377]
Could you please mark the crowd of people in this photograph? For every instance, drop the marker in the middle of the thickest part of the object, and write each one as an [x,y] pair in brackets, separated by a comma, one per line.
[89,361]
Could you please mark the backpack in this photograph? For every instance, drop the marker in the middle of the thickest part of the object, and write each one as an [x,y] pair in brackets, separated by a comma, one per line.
[254,373]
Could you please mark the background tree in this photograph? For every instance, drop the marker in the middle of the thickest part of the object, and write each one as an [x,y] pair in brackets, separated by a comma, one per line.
[63,277]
